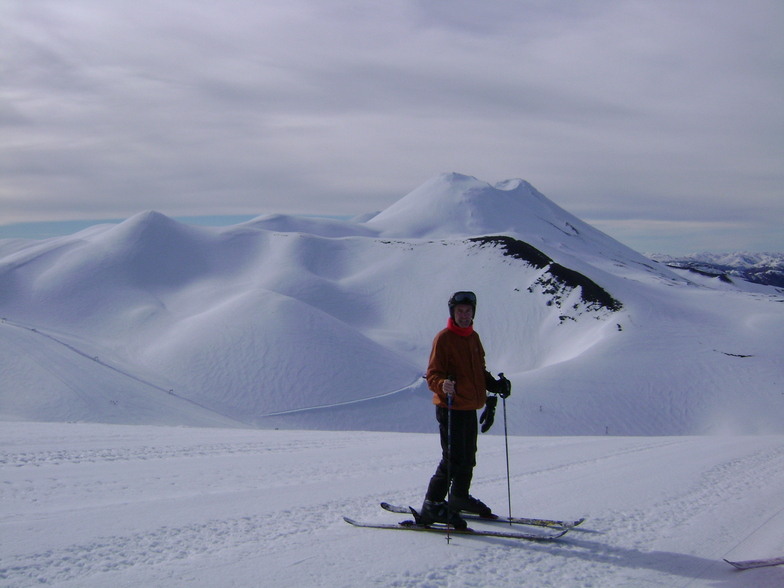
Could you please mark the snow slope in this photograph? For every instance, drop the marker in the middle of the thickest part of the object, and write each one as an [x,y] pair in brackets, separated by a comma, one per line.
[86,505]
[316,323]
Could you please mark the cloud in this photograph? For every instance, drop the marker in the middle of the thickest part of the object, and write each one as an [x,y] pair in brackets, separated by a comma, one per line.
[653,236]
[610,108]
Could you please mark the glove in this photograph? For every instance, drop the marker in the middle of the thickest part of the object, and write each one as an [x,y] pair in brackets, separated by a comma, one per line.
[504,386]
[501,386]
[488,415]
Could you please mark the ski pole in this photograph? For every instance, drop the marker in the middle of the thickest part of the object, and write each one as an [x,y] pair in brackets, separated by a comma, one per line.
[506,445]
[508,483]
[448,454]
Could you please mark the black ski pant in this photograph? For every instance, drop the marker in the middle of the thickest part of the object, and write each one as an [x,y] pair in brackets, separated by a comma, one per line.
[463,454]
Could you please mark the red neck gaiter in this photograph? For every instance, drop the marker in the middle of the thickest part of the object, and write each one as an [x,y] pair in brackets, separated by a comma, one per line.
[452,326]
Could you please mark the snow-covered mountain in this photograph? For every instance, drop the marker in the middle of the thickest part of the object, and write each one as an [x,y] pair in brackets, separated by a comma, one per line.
[314,323]
[758,268]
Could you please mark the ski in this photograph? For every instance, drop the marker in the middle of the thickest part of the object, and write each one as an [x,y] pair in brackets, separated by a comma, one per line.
[756,563]
[412,526]
[551,524]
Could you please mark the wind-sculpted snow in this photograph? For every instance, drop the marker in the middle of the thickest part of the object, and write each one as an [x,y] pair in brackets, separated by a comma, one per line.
[325,324]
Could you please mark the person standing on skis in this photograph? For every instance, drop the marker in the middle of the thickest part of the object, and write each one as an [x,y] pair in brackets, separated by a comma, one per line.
[460,383]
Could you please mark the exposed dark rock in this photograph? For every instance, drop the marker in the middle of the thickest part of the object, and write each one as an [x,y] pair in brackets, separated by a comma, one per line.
[557,279]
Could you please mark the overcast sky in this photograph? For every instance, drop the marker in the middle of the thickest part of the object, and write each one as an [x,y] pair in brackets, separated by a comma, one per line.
[660,122]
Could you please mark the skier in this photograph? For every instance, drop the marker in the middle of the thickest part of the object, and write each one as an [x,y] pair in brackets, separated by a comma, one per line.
[460,383]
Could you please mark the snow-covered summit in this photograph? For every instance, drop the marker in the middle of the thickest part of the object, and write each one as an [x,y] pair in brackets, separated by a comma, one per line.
[454,205]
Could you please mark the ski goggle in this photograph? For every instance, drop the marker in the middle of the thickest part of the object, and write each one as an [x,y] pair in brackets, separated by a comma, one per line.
[464,298]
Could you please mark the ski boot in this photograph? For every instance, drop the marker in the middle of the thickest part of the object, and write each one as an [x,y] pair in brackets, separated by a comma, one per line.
[472,505]
[439,512]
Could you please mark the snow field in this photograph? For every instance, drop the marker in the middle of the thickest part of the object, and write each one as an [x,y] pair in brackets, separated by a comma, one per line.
[98,505]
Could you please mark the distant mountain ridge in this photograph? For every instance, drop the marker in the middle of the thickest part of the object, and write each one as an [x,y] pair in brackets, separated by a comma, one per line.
[759,268]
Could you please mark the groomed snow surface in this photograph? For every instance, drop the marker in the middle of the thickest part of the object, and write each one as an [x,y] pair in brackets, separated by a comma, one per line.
[90,505]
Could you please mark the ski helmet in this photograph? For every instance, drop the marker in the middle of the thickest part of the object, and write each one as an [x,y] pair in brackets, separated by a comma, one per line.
[461,298]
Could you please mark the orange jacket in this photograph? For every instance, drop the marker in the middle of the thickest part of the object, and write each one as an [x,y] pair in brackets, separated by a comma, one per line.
[462,358]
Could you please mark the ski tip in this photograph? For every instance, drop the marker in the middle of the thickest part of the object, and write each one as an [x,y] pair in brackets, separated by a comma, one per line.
[578,522]
[392,508]
[350,521]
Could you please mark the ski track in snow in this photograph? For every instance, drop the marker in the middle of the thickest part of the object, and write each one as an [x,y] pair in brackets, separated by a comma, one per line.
[275,531]
[177,507]
[56,458]
[602,562]
[167,544]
